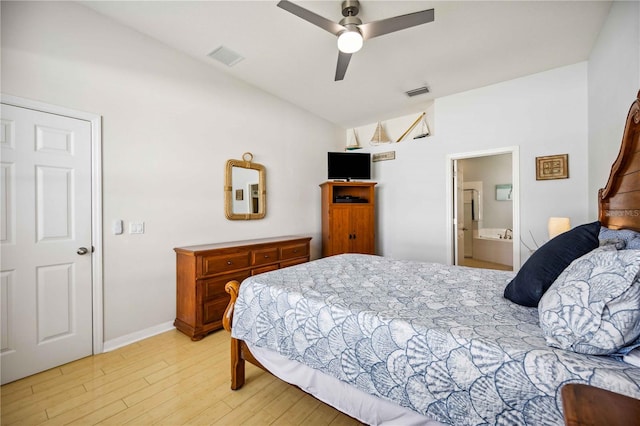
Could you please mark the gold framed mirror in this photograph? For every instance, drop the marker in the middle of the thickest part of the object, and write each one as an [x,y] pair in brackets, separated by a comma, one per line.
[245,191]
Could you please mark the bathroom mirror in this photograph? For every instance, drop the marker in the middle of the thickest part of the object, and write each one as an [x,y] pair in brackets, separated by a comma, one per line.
[245,195]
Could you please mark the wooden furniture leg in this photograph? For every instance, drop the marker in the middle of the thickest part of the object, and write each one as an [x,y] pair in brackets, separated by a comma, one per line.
[237,364]
[237,361]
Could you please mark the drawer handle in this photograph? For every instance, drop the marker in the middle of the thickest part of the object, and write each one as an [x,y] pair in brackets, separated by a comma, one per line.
[295,250]
[229,262]
[266,256]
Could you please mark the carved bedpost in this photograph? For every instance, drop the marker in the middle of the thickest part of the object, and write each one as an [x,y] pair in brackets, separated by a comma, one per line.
[232,288]
[619,200]
[237,361]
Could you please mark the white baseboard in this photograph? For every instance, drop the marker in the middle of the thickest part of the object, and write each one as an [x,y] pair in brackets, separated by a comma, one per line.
[121,341]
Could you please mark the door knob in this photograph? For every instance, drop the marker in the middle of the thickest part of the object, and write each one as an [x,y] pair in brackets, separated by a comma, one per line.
[82,250]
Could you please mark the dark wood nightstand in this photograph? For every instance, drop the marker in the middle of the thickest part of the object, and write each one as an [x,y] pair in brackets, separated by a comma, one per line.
[588,405]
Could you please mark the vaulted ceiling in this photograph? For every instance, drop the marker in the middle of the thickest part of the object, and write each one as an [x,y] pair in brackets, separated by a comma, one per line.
[470,44]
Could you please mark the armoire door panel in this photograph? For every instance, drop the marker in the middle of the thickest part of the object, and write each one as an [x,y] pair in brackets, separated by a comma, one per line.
[340,230]
[362,222]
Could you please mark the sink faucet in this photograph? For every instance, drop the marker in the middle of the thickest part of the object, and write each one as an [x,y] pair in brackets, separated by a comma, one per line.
[508,234]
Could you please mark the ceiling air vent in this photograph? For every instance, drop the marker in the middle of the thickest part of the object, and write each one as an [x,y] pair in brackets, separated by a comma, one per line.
[226,56]
[418,91]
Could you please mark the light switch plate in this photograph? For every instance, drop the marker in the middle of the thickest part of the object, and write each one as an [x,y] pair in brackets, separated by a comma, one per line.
[136,227]
[117,227]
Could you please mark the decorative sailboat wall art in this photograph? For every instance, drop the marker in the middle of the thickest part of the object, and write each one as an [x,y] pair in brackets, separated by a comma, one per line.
[424,128]
[353,142]
[379,136]
[412,126]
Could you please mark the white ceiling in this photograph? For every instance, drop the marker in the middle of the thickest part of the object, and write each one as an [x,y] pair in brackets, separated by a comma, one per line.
[469,45]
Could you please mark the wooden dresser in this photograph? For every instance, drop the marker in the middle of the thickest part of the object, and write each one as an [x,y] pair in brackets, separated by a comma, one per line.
[203,271]
[348,218]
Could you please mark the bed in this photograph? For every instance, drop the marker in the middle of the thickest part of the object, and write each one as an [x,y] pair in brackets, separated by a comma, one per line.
[402,342]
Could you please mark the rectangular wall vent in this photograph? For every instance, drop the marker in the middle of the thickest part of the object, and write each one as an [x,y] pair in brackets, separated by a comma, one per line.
[226,56]
[418,91]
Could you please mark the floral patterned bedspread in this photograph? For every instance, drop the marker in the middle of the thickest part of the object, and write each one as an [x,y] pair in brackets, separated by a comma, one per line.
[438,339]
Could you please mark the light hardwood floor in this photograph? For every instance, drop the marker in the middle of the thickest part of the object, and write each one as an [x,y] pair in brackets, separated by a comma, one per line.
[475,263]
[166,380]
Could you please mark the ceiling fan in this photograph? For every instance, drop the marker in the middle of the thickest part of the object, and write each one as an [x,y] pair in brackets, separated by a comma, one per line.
[351,32]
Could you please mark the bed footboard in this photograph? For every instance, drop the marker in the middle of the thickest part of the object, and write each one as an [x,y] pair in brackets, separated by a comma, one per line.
[239,350]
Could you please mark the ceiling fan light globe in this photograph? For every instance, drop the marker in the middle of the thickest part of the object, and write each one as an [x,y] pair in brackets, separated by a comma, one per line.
[350,41]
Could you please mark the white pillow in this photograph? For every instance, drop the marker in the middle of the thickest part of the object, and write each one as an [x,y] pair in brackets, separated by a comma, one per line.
[593,307]
[633,357]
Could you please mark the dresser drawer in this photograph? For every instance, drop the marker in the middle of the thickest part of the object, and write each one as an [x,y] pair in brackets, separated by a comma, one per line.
[214,310]
[264,269]
[293,262]
[214,287]
[260,257]
[293,251]
[228,262]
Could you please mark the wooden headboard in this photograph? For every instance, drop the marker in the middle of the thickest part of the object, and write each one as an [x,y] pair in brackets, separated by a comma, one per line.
[619,201]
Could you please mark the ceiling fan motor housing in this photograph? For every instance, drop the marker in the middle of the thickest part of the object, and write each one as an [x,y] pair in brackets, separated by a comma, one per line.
[351,22]
[350,7]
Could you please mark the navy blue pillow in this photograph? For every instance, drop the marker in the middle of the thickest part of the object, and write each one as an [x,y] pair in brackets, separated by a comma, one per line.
[547,263]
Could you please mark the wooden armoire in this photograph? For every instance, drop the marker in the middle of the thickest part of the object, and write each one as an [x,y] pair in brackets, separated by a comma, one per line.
[348,218]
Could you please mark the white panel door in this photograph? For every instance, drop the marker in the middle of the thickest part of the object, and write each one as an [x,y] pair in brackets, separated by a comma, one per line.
[45,263]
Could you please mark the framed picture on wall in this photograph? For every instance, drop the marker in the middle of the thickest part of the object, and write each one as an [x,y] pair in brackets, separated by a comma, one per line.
[552,167]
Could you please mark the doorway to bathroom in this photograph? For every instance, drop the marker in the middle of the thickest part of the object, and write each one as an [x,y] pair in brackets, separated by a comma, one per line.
[484,209]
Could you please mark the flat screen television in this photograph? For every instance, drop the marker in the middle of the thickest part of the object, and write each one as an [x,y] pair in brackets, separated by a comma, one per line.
[349,165]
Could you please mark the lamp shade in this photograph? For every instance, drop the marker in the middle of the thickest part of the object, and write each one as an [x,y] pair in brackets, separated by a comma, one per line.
[558,225]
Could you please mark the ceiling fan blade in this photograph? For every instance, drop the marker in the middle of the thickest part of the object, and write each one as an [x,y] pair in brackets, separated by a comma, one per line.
[343,63]
[397,23]
[309,16]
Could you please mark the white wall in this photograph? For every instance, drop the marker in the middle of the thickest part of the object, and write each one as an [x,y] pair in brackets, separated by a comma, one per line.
[169,125]
[543,114]
[614,81]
